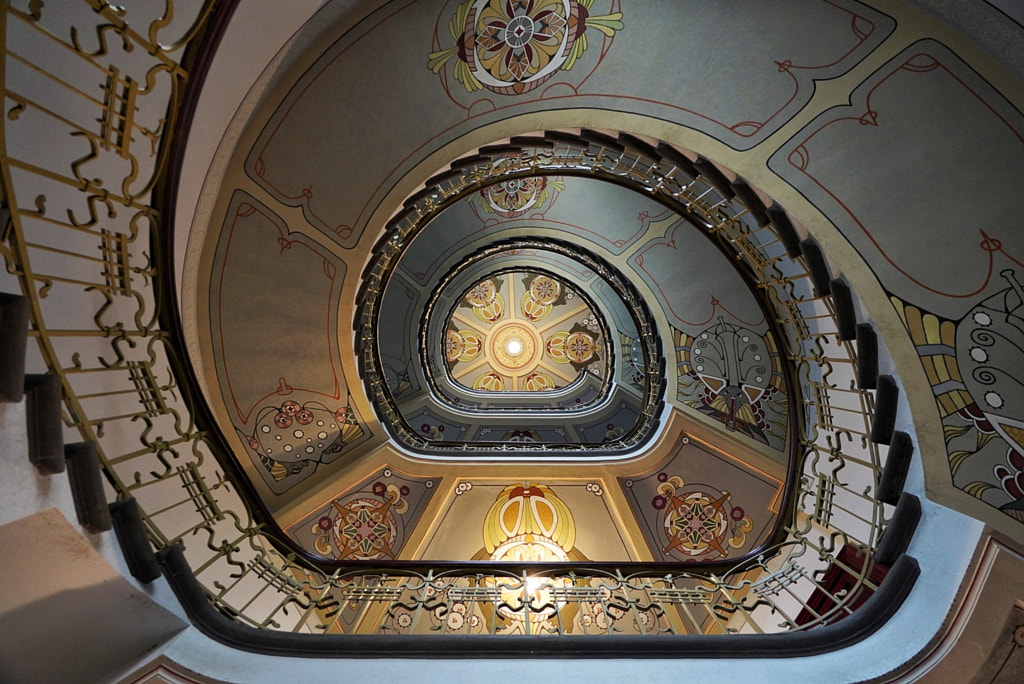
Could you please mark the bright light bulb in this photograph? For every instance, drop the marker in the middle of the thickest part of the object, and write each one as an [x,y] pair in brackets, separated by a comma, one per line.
[514,346]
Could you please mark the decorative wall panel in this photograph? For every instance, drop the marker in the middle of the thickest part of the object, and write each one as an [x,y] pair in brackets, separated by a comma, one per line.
[276,349]
[369,521]
[698,505]
[499,521]
[735,376]
[583,54]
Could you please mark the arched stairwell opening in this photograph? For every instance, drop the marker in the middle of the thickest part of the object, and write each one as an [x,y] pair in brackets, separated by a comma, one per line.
[839,606]
[813,580]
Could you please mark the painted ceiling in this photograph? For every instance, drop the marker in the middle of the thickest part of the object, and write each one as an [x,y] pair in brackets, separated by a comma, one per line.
[425,435]
[523,347]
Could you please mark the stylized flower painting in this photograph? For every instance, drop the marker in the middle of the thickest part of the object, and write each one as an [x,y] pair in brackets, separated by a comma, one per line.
[512,46]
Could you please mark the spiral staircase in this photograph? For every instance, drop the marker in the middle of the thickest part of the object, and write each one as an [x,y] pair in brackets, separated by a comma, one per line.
[193,556]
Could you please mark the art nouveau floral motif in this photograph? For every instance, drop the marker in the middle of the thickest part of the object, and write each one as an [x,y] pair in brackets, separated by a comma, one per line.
[292,437]
[979,401]
[361,529]
[368,522]
[698,520]
[461,345]
[512,46]
[544,343]
[514,197]
[527,522]
[1011,474]
[577,347]
[734,375]
[488,304]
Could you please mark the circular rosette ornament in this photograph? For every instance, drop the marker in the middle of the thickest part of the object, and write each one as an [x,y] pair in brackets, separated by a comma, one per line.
[695,523]
[488,305]
[545,290]
[575,347]
[365,530]
[699,520]
[364,526]
[513,197]
[512,46]
[539,299]
[482,293]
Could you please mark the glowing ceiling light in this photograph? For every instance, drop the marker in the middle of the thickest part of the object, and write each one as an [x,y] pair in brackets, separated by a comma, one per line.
[513,346]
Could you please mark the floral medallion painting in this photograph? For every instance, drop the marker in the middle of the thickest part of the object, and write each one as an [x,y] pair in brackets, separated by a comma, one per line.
[512,46]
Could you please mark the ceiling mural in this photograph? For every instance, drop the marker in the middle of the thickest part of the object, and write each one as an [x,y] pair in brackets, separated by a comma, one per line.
[527,521]
[979,401]
[673,255]
[527,64]
[510,47]
[609,217]
[528,332]
[292,439]
[369,521]
[735,376]
[276,354]
[512,198]
[522,315]
[698,521]
[892,109]
[506,329]
[541,522]
[292,351]
[531,319]
[590,341]
[470,335]
[700,505]
[511,346]
[967,328]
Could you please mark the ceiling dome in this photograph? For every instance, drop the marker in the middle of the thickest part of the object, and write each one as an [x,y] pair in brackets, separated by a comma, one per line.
[512,336]
[525,344]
